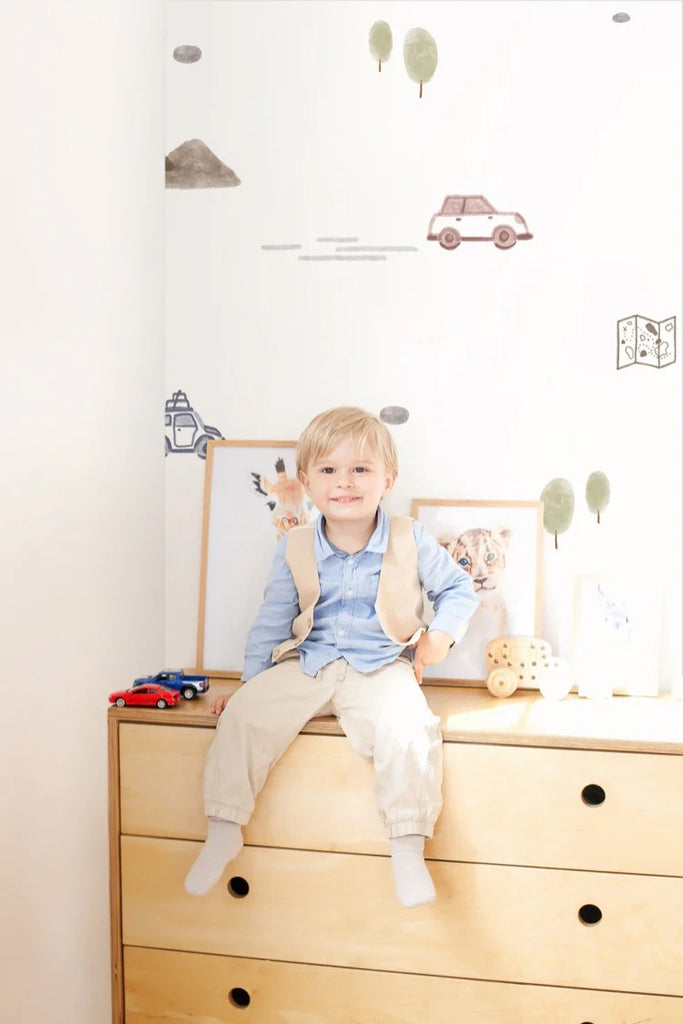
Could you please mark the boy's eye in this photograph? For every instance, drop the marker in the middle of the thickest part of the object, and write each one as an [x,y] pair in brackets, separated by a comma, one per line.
[327,469]
[360,469]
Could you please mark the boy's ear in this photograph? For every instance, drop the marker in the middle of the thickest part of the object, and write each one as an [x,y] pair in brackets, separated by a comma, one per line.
[304,479]
[391,480]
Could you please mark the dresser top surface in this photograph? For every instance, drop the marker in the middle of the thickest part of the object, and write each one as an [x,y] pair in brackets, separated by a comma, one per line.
[473,715]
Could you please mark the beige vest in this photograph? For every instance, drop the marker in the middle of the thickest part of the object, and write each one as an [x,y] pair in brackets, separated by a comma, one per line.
[399,603]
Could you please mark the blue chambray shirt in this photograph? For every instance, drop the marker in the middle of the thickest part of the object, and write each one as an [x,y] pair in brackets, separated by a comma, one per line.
[345,623]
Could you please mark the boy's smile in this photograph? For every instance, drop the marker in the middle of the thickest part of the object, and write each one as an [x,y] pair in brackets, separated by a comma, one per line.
[348,484]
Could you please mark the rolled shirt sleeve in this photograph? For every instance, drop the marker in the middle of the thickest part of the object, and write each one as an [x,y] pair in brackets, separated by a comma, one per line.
[273,623]
[447,585]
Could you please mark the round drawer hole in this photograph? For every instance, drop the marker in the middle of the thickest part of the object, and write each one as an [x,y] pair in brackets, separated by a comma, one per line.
[239,997]
[593,795]
[590,914]
[238,887]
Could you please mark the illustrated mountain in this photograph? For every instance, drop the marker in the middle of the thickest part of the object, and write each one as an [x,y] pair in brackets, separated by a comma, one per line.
[193,165]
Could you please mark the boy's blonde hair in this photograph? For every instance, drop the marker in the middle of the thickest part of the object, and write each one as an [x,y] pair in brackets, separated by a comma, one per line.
[331,428]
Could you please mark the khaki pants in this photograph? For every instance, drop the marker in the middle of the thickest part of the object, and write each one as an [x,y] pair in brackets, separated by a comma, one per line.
[384,714]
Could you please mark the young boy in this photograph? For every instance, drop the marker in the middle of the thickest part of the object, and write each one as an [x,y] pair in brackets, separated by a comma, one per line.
[342,611]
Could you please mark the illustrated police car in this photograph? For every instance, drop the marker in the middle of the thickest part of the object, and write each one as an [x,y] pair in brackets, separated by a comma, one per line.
[473,219]
[185,429]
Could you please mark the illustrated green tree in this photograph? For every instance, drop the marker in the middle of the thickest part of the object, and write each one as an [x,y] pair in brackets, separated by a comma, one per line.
[597,493]
[558,506]
[420,55]
[381,42]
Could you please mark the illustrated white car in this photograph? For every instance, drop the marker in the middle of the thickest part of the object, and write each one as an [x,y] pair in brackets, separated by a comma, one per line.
[473,219]
[185,429]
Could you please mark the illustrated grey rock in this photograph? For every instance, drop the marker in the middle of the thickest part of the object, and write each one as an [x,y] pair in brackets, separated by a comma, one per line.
[393,414]
[187,54]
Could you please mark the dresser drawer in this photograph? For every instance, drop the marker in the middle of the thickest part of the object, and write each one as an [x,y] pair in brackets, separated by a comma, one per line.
[163,987]
[586,809]
[490,922]
[334,808]
[502,804]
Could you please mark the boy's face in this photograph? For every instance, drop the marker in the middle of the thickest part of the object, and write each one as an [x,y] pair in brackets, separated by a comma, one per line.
[348,483]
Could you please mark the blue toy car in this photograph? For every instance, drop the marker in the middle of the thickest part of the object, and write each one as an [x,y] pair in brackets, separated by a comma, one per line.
[188,686]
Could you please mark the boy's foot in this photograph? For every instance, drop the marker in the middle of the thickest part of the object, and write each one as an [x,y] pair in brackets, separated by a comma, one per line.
[413,883]
[222,844]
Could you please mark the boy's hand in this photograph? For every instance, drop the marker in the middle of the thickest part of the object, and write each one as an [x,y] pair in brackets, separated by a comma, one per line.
[218,703]
[431,648]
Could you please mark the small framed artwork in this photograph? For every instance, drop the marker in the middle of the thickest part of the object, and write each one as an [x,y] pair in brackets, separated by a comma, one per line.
[500,544]
[251,498]
[615,636]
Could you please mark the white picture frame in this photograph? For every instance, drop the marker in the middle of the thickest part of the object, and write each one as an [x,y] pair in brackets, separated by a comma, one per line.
[239,537]
[615,636]
[513,604]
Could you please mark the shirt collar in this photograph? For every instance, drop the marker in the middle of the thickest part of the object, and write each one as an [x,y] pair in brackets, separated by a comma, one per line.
[377,543]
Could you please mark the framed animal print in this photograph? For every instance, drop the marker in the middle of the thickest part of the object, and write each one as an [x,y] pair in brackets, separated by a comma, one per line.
[500,544]
[251,498]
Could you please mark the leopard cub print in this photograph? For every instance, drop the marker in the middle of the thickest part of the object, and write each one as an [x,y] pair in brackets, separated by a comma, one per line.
[481,553]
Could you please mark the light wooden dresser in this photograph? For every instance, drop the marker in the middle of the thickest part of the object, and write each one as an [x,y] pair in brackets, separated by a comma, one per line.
[557,860]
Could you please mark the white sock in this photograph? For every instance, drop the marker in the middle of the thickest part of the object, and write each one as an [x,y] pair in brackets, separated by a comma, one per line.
[413,883]
[222,844]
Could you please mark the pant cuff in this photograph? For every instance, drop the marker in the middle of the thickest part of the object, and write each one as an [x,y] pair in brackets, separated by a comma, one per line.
[227,813]
[414,827]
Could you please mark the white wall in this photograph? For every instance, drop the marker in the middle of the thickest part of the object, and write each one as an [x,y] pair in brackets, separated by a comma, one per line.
[498,356]
[505,360]
[81,474]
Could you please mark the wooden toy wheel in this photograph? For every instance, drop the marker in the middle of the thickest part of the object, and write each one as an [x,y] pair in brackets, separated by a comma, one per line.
[502,682]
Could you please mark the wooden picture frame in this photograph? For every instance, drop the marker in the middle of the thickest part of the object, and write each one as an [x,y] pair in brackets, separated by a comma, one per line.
[506,557]
[239,536]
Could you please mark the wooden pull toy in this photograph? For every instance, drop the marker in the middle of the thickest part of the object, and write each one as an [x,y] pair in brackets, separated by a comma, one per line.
[514,661]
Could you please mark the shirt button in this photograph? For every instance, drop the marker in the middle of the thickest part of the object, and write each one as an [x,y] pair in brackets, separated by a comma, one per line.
[341,632]
[351,562]
[349,593]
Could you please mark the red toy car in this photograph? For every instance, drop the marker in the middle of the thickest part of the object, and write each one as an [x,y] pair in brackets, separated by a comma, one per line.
[145,696]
